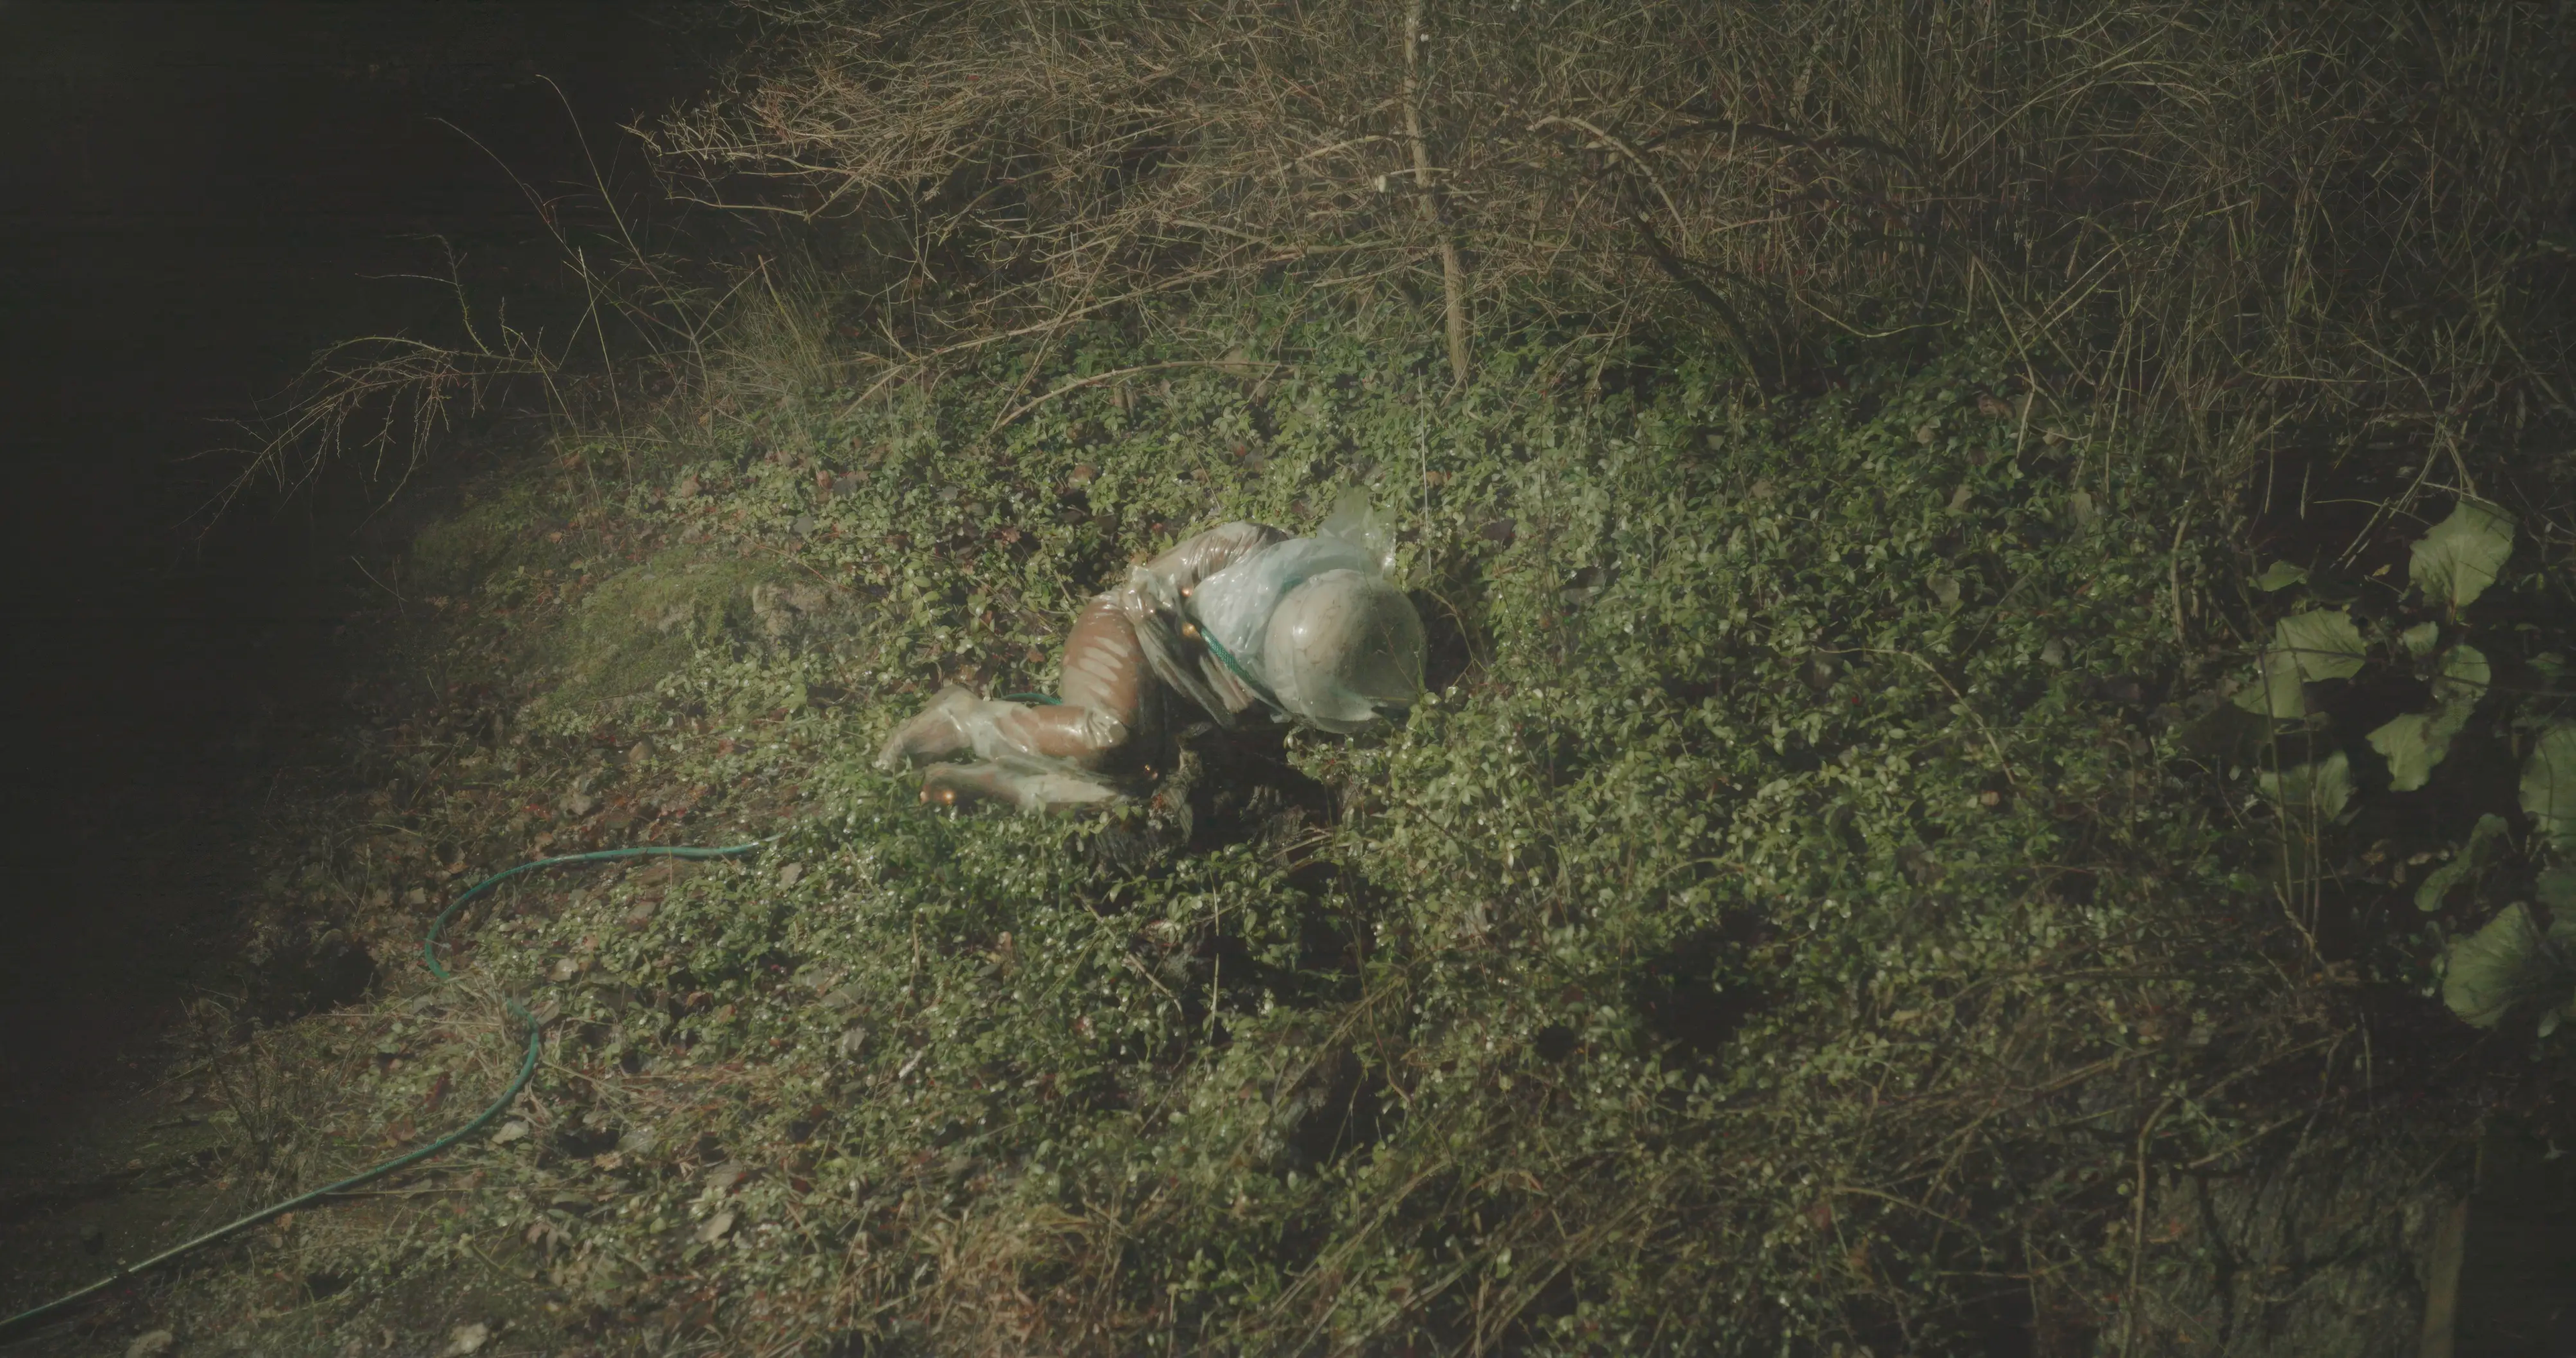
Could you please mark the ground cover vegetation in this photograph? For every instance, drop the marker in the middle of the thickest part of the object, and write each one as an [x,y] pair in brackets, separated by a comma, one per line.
[1994,771]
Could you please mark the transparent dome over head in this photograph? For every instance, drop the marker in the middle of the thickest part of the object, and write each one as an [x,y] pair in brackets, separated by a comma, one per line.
[1342,647]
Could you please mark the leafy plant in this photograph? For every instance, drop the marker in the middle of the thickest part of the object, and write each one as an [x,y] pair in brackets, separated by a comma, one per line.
[2515,958]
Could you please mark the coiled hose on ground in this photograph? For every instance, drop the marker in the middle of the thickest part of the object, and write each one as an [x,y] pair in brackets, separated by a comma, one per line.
[527,1071]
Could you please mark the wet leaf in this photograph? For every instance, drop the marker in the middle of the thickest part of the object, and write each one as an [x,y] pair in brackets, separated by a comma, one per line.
[2456,561]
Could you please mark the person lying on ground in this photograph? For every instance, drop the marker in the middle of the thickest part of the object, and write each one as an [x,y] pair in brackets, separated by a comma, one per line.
[1239,617]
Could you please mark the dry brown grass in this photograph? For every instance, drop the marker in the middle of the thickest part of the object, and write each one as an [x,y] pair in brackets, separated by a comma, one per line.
[2242,223]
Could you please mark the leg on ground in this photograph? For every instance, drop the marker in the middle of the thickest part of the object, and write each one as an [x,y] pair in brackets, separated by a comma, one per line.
[1104,690]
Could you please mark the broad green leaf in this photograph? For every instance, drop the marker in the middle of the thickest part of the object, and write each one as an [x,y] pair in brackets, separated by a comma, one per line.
[2549,786]
[2421,638]
[2324,787]
[2280,576]
[2484,840]
[2456,561]
[2557,890]
[2324,643]
[2499,966]
[2462,679]
[2414,743]
[2275,691]
[2319,644]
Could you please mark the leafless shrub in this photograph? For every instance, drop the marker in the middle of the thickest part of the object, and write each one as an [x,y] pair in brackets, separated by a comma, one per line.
[277,1110]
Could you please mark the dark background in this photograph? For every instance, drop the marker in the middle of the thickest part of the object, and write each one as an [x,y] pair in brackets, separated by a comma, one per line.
[194,196]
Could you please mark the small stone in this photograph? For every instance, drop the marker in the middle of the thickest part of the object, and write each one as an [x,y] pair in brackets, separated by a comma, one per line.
[688,488]
[854,1043]
[466,1339]
[791,874]
[151,1344]
[643,750]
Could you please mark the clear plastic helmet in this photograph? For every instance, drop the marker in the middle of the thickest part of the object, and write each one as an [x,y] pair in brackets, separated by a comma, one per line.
[1340,647]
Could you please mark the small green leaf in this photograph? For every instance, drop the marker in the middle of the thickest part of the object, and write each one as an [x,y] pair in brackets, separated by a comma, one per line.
[2280,576]
[2499,966]
[2549,786]
[2464,866]
[2323,641]
[2456,561]
[2421,638]
[2324,787]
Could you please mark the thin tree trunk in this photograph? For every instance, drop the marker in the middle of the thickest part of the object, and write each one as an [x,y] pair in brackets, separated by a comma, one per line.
[1453,274]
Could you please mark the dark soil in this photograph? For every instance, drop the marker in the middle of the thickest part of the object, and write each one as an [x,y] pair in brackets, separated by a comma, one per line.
[207,194]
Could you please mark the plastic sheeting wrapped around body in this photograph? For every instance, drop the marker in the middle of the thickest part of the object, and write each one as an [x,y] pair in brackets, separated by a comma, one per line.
[1238,617]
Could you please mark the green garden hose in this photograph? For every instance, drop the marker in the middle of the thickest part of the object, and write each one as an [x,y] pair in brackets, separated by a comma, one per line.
[527,1070]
